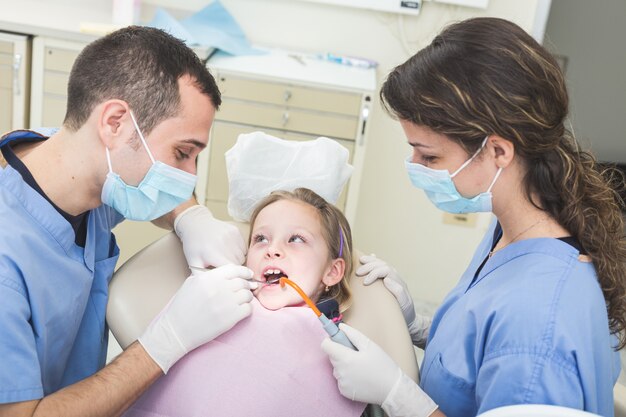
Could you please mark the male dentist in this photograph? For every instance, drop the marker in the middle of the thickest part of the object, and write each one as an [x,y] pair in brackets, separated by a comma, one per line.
[140,107]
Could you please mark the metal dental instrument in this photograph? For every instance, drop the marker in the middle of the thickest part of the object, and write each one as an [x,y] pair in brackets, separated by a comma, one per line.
[336,335]
[201,268]
[208,268]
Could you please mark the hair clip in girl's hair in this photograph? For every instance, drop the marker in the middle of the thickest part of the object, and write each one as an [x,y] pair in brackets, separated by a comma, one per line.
[340,242]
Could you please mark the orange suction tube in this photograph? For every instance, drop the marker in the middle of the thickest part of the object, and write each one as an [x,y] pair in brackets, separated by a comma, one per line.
[282,281]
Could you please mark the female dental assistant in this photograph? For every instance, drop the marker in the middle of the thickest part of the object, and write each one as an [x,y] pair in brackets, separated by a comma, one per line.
[535,316]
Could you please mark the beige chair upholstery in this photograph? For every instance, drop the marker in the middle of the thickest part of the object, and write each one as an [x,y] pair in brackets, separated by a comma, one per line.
[619,394]
[146,282]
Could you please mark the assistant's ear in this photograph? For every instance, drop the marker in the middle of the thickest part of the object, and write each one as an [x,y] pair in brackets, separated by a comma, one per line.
[112,120]
[335,272]
[502,150]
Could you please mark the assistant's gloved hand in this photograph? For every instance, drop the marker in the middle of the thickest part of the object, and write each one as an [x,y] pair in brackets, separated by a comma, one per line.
[207,305]
[369,375]
[208,241]
[372,269]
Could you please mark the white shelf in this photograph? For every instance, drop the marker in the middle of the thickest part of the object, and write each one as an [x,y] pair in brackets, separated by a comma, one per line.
[283,66]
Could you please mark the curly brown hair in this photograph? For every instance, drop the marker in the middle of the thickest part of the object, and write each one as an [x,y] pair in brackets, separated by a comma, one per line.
[487,76]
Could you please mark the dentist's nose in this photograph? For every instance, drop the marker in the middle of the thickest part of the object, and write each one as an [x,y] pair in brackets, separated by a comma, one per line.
[415,157]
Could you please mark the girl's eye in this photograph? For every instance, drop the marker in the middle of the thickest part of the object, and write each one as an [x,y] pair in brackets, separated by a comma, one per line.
[296,239]
[259,239]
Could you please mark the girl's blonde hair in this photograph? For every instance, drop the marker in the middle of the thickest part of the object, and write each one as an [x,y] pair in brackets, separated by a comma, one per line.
[335,230]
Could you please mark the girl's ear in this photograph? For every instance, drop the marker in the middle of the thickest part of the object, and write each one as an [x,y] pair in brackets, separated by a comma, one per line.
[335,272]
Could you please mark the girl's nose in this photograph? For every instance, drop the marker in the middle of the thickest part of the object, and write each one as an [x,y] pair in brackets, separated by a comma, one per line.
[273,252]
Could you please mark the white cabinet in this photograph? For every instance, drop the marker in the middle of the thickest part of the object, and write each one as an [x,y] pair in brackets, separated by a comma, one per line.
[52,63]
[14,83]
[290,97]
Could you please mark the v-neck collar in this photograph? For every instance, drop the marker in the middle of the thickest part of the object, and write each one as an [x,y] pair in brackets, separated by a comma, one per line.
[546,246]
[50,219]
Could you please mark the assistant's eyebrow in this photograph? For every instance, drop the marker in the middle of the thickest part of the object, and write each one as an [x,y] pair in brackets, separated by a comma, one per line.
[418,145]
[195,143]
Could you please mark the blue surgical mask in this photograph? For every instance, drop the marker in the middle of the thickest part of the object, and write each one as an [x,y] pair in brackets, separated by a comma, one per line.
[440,189]
[162,189]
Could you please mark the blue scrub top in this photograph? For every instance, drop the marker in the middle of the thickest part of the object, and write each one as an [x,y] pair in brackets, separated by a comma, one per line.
[53,293]
[532,328]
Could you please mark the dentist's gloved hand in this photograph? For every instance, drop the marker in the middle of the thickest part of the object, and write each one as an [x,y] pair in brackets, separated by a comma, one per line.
[205,306]
[369,375]
[372,269]
[208,241]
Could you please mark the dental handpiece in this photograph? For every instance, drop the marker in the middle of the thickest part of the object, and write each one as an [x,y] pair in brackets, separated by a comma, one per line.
[335,333]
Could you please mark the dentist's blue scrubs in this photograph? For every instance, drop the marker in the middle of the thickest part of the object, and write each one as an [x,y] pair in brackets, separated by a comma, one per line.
[530,327]
[54,274]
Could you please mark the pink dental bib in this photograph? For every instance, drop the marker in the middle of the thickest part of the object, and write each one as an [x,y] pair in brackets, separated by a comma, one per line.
[269,364]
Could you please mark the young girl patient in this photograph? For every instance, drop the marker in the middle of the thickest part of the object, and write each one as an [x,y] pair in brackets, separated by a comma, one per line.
[270,364]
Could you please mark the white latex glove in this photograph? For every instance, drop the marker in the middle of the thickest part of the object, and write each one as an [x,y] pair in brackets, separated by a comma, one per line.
[369,375]
[372,269]
[207,305]
[208,241]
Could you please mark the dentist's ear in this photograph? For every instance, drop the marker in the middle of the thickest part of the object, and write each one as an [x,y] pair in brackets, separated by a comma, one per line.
[111,116]
[335,272]
[501,149]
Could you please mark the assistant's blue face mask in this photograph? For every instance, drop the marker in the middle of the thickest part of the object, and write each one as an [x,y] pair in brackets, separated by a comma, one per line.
[162,189]
[440,189]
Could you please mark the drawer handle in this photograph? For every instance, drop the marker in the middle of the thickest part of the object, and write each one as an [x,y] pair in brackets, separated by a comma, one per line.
[17,63]
[285,118]
[287,95]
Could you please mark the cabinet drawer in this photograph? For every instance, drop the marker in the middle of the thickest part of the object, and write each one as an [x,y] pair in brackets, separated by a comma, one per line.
[224,136]
[6,59]
[318,124]
[55,83]
[6,115]
[54,111]
[6,78]
[58,59]
[289,95]
[6,48]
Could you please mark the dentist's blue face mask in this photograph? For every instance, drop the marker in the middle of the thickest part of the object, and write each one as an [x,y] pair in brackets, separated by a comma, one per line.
[162,189]
[440,189]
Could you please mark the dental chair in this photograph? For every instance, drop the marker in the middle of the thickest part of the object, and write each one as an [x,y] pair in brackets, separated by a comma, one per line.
[144,284]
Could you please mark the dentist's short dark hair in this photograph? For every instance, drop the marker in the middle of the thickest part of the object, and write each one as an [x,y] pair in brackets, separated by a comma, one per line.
[140,65]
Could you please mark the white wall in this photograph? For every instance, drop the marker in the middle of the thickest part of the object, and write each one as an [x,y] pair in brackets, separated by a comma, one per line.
[591,35]
[394,220]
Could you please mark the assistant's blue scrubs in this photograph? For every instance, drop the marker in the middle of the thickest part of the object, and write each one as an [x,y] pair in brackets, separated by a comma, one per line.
[530,328]
[53,292]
